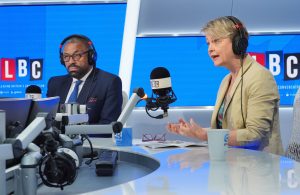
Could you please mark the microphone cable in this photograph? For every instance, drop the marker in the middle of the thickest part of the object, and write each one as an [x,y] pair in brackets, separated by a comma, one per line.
[154,103]
[86,137]
[150,105]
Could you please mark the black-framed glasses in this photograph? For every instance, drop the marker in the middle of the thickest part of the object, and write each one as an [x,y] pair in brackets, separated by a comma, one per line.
[156,137]
[75,56]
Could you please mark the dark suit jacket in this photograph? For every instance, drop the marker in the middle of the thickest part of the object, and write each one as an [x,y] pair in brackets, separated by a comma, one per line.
[102,94]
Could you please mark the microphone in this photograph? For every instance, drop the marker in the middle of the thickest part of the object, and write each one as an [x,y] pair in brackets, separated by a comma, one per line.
[162,93]
[33,92]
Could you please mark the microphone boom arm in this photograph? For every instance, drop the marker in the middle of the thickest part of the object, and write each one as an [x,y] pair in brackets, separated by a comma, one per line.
[116,126]
[13,147]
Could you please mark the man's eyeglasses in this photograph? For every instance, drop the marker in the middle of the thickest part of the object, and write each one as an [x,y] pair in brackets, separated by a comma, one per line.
[157,137]
[75,56]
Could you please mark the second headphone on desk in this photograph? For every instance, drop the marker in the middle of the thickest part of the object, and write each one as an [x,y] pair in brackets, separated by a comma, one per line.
[92,53]
[240,39]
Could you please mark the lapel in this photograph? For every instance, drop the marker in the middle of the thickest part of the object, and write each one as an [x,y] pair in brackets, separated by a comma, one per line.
[247,64]
[64,89]
[220,97]
[222,92]
[87,88]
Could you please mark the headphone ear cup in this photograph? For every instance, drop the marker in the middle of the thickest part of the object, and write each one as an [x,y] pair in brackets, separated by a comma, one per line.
[61,59]
[92,57]
[239,40]
[243,44]
[239,45]
[65,173]
[66,163]
[235,44]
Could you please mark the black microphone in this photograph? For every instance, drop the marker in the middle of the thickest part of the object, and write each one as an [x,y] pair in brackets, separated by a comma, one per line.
[33,92]
[162,95]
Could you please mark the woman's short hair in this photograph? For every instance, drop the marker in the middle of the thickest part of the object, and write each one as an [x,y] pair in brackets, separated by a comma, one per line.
[224,27]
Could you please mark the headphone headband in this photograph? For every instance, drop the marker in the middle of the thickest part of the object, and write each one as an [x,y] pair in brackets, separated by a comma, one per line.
[92,54]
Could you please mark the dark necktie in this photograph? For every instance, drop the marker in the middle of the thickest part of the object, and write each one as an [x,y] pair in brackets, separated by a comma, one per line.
[74,94]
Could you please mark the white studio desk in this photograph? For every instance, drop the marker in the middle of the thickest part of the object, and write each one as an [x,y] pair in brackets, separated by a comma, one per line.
[187,171]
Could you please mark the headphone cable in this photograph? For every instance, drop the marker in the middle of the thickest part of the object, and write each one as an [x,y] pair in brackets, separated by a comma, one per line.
[242,79]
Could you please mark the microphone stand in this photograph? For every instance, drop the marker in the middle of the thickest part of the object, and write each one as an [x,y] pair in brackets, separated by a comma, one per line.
[156,102]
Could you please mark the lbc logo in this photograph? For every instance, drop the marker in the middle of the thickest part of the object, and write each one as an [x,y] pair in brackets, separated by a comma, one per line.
[154,84]
[278,62]
[21,67]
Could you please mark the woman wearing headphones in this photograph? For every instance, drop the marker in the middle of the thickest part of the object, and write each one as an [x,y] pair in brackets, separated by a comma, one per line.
[247,101]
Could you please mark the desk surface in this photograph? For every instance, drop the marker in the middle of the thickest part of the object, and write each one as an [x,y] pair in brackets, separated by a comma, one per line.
[189,171]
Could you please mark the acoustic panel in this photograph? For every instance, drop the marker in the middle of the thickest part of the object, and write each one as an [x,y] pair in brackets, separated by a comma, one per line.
[186,18]
[178,17]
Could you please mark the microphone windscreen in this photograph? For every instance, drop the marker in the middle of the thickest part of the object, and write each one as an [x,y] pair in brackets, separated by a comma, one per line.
[159,72]
[33,89]
[33,92]
[160,81]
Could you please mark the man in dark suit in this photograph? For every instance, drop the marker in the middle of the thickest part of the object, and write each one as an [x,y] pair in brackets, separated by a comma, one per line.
[100,91]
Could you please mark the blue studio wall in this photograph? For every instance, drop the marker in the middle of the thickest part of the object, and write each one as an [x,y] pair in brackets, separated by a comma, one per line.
[35,33]
[31,35]
[195,79]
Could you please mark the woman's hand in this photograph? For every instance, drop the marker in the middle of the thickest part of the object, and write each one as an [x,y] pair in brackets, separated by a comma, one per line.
[188,129]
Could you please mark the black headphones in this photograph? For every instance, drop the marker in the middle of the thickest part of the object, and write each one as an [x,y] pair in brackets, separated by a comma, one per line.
[56,169]
[239,40]
[92,54]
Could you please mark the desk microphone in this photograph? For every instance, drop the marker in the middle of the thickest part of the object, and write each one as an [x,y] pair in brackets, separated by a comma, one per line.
[162,93]
[33,92]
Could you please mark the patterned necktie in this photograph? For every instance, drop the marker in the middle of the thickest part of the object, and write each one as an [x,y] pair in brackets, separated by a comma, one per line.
[73,96]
